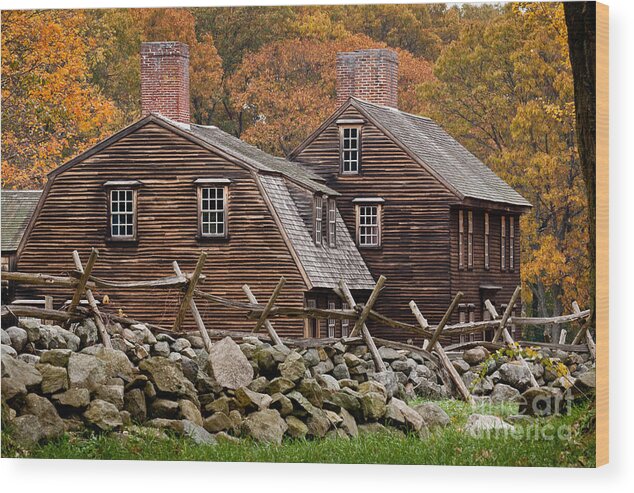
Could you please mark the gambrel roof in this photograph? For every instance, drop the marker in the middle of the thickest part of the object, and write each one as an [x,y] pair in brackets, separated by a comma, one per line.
[429,144]
[17,208]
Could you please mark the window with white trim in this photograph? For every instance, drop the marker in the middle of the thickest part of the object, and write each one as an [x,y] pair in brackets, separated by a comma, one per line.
[503,243]
[332,223]
[350,150]
[512,243]
[486,240]
[332,323]
[461,239]
[213,211]
[345,323]
[319,217]
[368,225]
[470,239]
[122,212]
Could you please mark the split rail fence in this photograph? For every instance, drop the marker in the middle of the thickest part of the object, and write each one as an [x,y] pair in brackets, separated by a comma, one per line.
[83,283]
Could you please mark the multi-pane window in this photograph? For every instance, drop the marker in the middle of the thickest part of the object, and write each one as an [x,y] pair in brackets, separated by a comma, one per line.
[470,239]
[368,225]
[461,239]
[486,240]
[332,223]
[319,216]
[503,242]
[122,213]
[331,321]
[350,150]
[213,203]
[345,323]
[512,242]
[313,323]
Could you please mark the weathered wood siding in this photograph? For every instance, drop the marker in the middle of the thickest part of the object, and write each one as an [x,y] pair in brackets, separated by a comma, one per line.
[415,248]
[74,216]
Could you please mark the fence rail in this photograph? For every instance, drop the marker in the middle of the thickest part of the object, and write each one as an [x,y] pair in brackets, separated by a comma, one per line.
[264,314]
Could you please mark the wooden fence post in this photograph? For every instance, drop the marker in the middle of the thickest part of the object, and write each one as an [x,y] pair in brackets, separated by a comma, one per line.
[346,296]
[267,324]
[368,306]
[444,320]
[48,305]
[584,331]
[507,314]
[442,356]
[103,333]
[196,314]
[189,293]
[269,305]
[81,285]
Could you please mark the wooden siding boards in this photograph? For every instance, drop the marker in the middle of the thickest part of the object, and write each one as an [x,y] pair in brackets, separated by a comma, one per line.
[73,216]
[415,251]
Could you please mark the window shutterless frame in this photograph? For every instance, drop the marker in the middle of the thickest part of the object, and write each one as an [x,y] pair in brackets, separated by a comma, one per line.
[368,224]
[470,239]
[350,149]
[332,223]
[511,243]
[460,239]
[318,219]
[122,210]
[213,200]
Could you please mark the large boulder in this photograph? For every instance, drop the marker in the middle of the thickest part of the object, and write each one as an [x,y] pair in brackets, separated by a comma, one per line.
[168,378]
[401,415]
[388,354]
[265,426]
[49,424]
[318,423]
[217,422]
[479,424]
[504,393]
[86,371]
[228,365]
[433,415]
[103,415]
[475,356]
[515,374]
[296,427]
[116,362]
[310,389]
[372,406]
[18,378]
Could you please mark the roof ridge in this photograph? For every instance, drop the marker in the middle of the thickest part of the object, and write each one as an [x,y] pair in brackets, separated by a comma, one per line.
[396,110]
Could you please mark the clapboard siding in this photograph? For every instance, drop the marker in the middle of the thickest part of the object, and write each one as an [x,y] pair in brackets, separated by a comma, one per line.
[74,216]
[415,251]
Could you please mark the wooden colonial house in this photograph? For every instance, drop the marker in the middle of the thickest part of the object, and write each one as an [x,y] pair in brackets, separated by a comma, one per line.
[372,191]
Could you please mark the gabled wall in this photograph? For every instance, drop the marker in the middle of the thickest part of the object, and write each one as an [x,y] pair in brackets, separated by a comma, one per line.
[74,216]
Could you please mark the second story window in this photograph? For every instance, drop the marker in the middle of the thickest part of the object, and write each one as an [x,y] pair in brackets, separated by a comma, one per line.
[350,150]
[213,211]
[319,217]
[332,223]
[122,214]
[512,243]
[470,239]
[368,221]
[503,242]
[486,240]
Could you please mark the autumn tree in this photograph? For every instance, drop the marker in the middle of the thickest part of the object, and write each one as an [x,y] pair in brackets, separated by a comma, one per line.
[504,89]
[50,110]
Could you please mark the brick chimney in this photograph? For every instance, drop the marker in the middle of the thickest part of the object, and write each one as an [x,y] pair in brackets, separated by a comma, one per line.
[165,79]
[371,75]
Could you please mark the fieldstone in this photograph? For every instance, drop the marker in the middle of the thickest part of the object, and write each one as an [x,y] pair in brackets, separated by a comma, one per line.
[349,400]
[388,380]
[328,383]
[311,357]
[282,404]
[217,422]
[301,405]
[310,389]
[103,415]
[349,383]
[504,393]
[164,408]
[30,359]
[168,378]
[372,386]
[149,390]
[258,385]
[279,385]
[228,365]
[190,412]
[236,421]
[87,332]
[542,401]
[400,414]
[371,429]
[433,415]
[318,423]
[432,390]
[478,424]
[351,360]
[112,394]
[6,350]
[372,405]
[46,425]
[54,378]
[536,369]
[293,367]
[189,353]
[389,354]
[296,427]
[75,398]
[265,426]
[185,428]
[222,404]
[340,372]
[18,378]
[161,348]
[424,372]
[348,423]
[18,338]
[515,374]
[475,356]
[4,338]
[86,371]
[134,403]
[406,365]
[585,384]
[56,357]
[32,328]
[190,368]
[247,399]
[460,365]
[323,367]
[181,343]
[72,341]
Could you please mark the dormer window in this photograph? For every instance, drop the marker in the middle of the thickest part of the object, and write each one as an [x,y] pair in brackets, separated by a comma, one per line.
[319,217]
[350,149]
[332,223]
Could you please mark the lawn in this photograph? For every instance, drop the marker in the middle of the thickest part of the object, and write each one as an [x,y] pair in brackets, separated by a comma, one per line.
[451,446]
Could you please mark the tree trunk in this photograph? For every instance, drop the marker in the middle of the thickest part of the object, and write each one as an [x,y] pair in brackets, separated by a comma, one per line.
[581,24]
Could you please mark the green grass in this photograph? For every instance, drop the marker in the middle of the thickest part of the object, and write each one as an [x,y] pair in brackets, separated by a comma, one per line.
[449,446]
